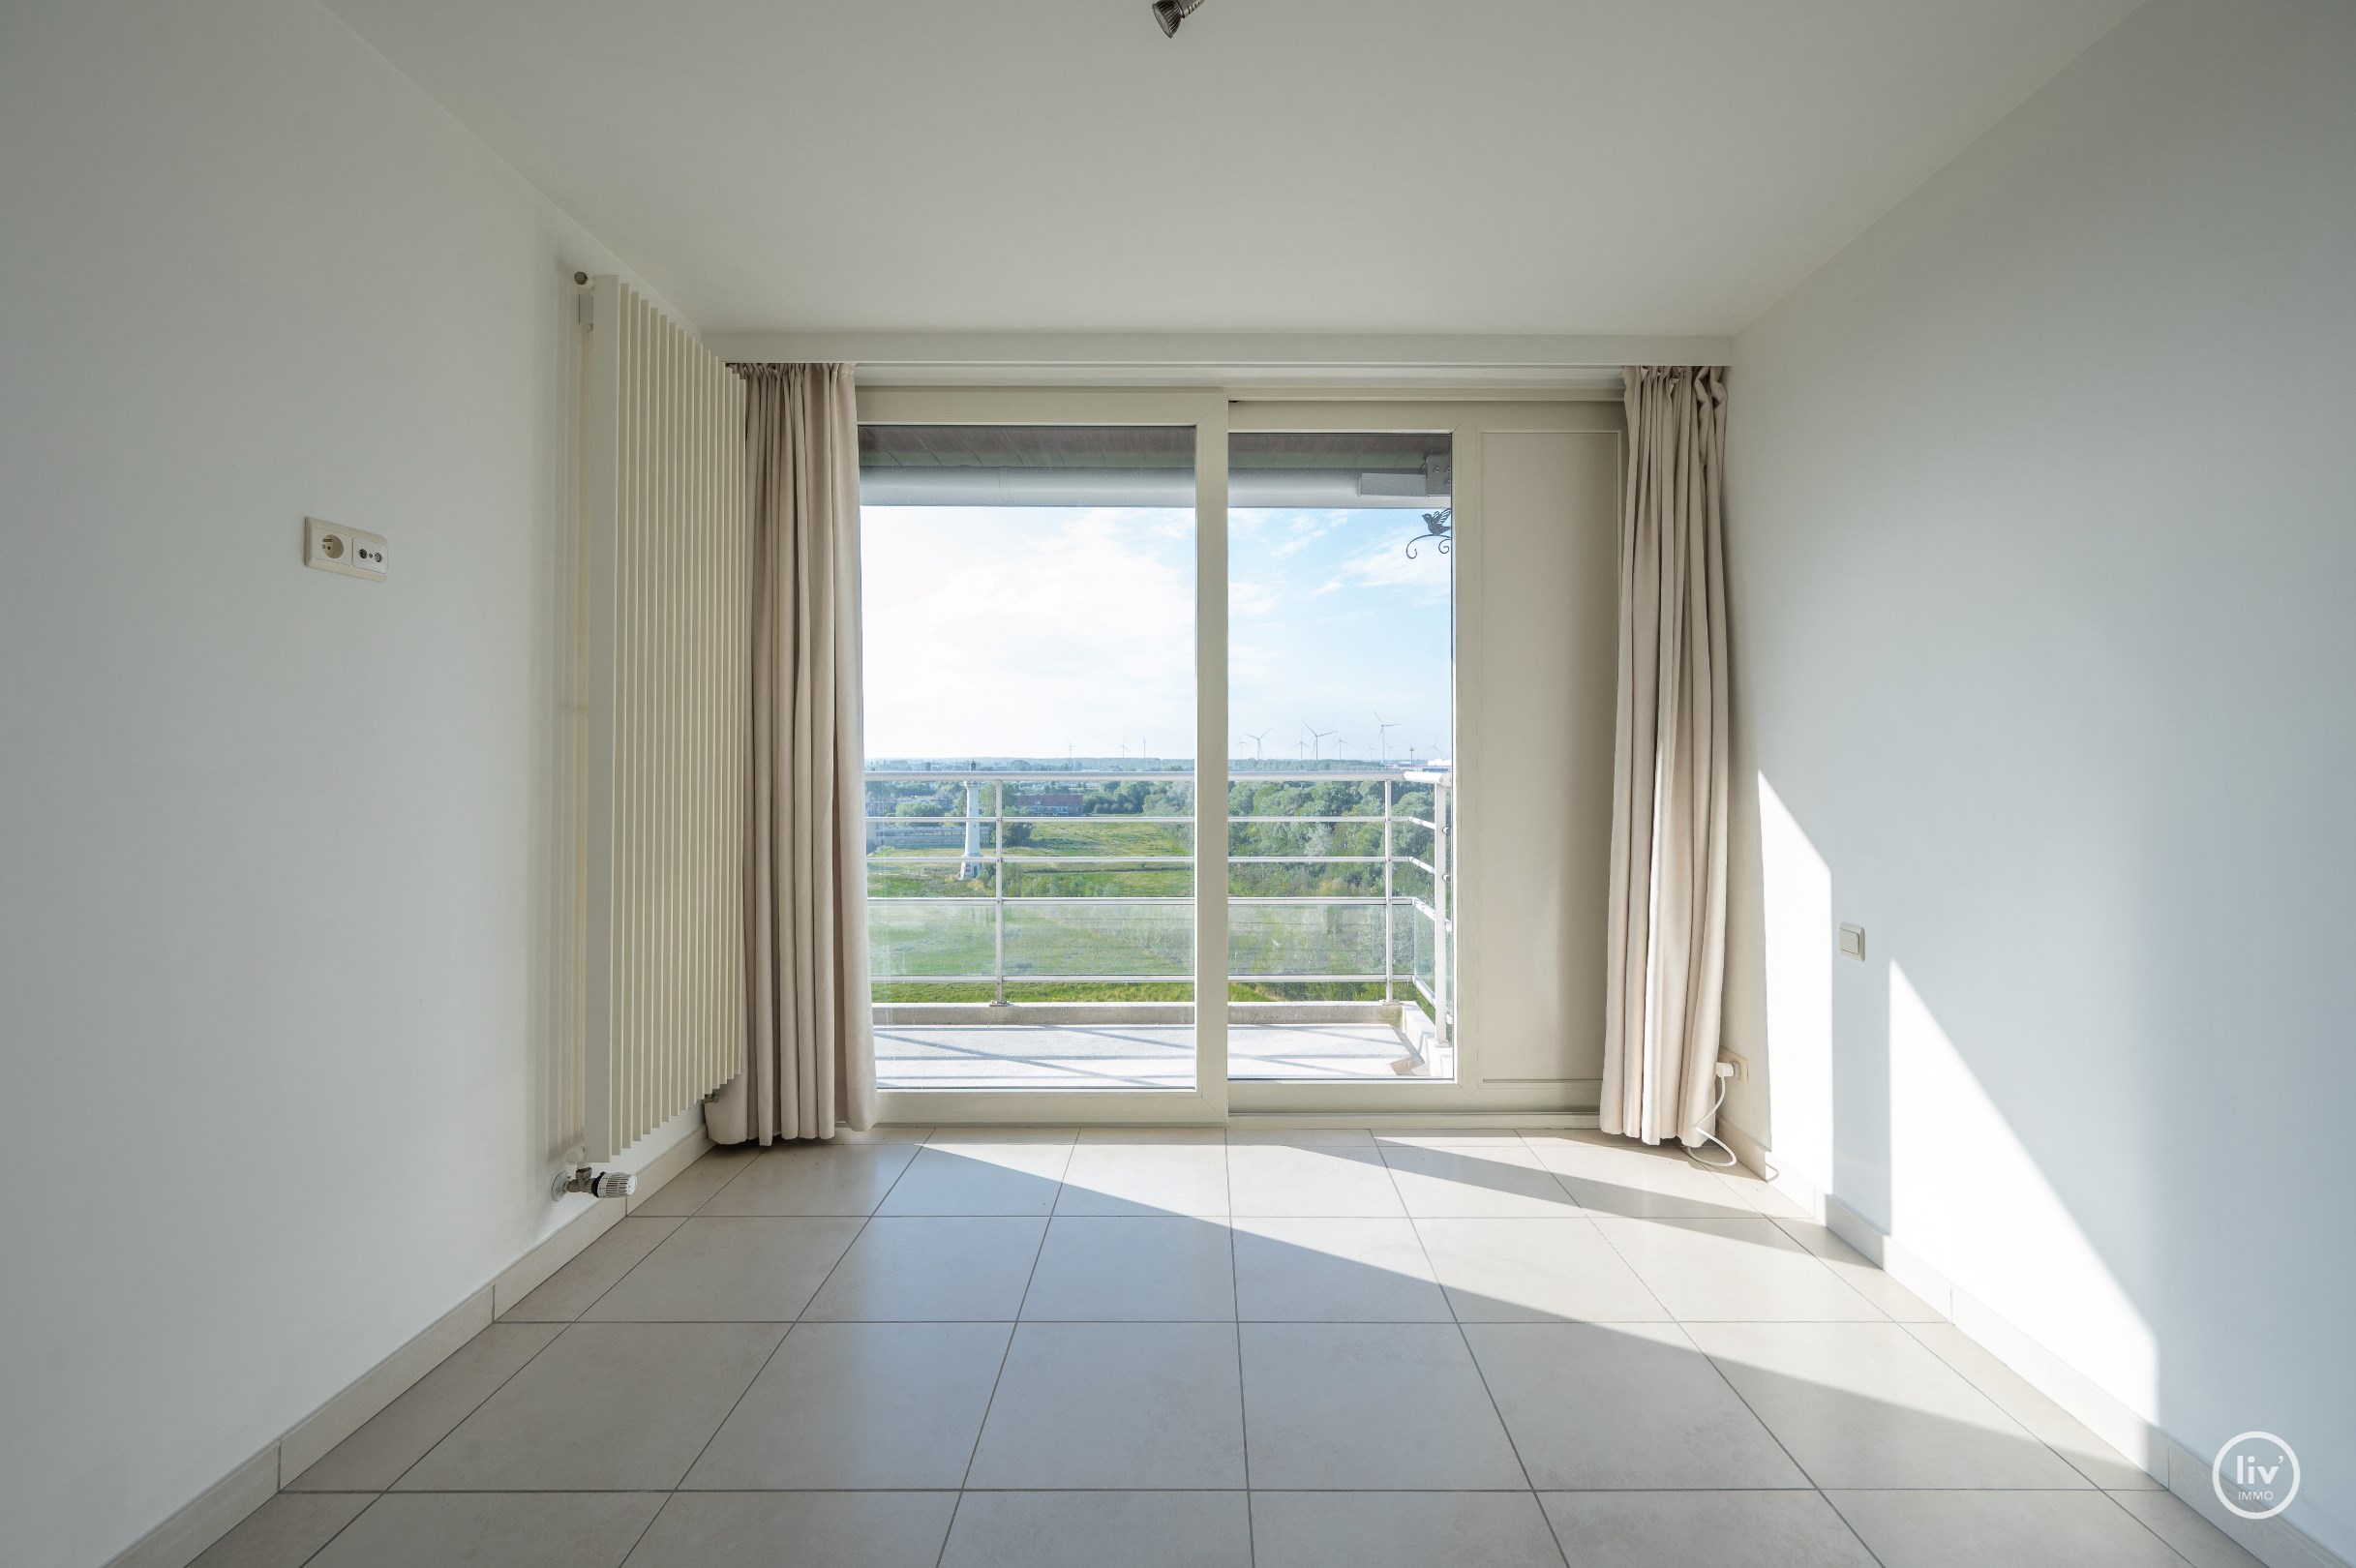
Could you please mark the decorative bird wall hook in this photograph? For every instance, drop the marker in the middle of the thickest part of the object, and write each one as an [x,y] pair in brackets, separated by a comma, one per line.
[1437,526]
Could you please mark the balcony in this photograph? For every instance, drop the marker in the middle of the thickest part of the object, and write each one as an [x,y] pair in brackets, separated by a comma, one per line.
[1033,926]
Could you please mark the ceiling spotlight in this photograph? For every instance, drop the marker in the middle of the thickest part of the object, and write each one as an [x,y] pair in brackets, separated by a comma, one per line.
[1170,13]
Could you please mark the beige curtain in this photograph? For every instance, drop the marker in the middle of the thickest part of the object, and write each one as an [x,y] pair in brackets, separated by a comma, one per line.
[1667,933]
[811,1057]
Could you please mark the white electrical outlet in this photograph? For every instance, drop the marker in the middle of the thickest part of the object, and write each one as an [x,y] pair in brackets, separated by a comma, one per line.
[332,547]
[1742,1069]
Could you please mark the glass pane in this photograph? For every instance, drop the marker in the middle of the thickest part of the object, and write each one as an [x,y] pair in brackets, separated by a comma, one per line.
[1143,941]
[936,940]
[1308,941]
[1029,648]
[893,877]
[1100,838]
[1046,879]
[1341,687]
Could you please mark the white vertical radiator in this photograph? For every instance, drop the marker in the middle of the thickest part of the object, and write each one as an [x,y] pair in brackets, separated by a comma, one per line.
[669,648]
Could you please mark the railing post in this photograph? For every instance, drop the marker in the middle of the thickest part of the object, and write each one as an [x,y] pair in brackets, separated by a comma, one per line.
[1390,946]
[998,883]
[1441,908]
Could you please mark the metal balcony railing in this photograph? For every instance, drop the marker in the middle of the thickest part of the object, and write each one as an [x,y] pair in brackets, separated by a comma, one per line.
[1415,901]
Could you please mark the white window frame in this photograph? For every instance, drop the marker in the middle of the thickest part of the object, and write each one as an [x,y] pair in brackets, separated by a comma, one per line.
[1212,414]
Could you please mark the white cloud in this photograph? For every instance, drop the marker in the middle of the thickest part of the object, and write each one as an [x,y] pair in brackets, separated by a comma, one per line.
[1004,631]
[1389,566]
[1020,631]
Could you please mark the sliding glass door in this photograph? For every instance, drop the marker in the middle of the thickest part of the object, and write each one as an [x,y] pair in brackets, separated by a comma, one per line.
[1161,738]
[1030,667]
[1341,677]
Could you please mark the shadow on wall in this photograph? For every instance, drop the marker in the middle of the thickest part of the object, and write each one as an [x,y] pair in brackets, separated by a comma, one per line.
[1873,1103]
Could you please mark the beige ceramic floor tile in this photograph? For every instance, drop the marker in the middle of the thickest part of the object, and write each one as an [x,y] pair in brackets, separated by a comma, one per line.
[1101,1529]
[1703,1529]
[1535,1271]
[1162,1136]
[815,1179]
[806,1529]
[1450,1137]
[1613,1175]
[933,1268]
[1744,1269]
[860,1406]
[1466,1182]
[1370,1406]
[608,1406]
[2021,1529]
[729,1271]
[1146,1179]
[1334,1271]
[983,1176]
[1326,1181]
[566,1529]
[691,1189]
[1115,1406]
[1144,1270]
[1865,1405]
[953,1136]
[285,1532]
[1625,1407]
[1416,1529]
[594,1270]
[1302,1137]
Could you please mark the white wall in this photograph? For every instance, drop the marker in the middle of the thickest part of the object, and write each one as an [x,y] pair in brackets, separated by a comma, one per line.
[276,860]
[1537,644]
[2042,531]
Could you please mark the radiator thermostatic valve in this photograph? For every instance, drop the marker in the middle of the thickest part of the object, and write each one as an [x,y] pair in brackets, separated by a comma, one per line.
[604,1184]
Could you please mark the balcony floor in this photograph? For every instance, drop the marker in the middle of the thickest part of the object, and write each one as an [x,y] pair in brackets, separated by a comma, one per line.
[1121,1056]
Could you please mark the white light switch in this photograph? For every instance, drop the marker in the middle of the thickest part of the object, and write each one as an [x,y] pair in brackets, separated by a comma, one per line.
[332,547]
[1853,942]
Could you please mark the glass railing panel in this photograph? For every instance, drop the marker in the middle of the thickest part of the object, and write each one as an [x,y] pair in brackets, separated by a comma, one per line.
[908,877]
[1146,940]
[1049,879]
[931,939]
[1307,941]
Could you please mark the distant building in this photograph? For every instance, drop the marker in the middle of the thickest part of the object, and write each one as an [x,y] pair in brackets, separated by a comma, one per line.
[1055,803]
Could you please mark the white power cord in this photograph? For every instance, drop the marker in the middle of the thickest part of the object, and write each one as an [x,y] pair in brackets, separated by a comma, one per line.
[1726,1075]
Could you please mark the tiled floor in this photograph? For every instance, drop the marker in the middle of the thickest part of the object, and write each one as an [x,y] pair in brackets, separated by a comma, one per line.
[1014,1349]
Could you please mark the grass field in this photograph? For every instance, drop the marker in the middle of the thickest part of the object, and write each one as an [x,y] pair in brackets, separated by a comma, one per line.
[926,918]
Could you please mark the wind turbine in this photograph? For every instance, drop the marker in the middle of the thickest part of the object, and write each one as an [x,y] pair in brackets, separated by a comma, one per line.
[1382,733]
[1317,740]
[1258,755]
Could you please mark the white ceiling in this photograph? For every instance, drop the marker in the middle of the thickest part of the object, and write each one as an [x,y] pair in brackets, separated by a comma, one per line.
[1302,165]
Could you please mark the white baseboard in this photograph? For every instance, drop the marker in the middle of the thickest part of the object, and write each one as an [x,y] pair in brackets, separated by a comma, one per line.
[215,1511]
[526,1273]
[346,1412]
[220,1508]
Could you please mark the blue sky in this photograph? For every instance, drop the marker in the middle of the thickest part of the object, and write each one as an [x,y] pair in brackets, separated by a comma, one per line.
[1035,631]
